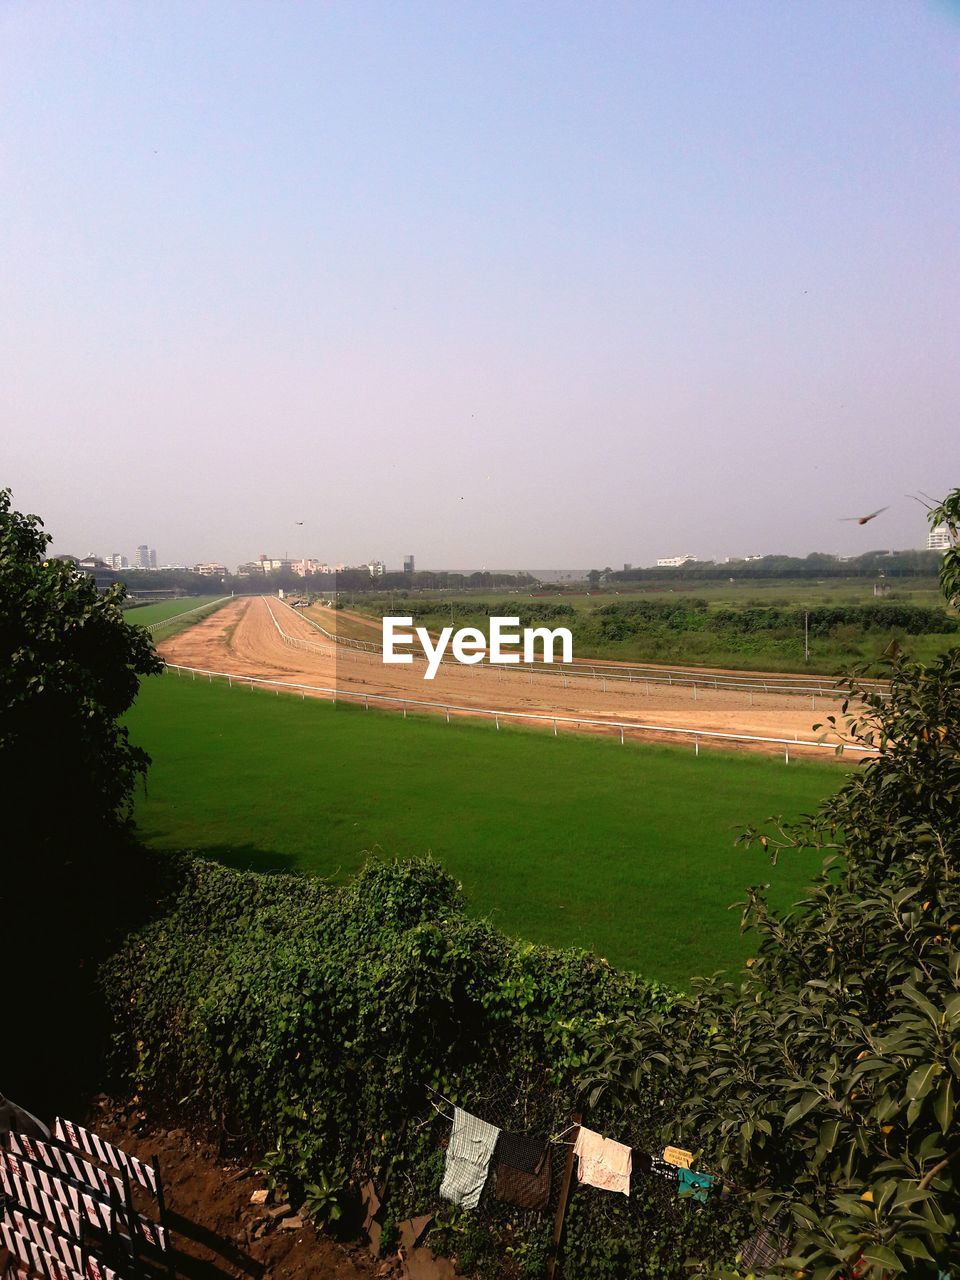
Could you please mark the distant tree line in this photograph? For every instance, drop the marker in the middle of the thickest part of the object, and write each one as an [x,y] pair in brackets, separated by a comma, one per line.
[900,564]
[896,564]
[353,580]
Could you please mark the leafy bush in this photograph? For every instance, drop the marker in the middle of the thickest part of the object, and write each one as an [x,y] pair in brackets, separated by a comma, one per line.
[311,1020]
[622,618]
[70,666]
[825,1083]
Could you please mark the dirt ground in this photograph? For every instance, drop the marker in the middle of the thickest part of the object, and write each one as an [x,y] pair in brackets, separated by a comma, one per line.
[218,1233]
[261,637]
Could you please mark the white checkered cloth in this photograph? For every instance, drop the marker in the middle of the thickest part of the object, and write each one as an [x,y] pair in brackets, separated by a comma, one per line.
[468,1159]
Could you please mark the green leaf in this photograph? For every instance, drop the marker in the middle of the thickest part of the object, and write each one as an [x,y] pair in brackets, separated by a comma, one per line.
[914,1247]
[922,1080]
[829,1131]
[799,1109]
[943,1104]
[882,1257]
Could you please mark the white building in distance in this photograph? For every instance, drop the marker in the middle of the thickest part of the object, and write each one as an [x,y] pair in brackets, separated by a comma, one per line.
[938,539]
[674,562]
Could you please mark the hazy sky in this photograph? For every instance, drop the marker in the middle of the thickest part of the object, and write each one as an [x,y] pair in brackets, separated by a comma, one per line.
[515,284]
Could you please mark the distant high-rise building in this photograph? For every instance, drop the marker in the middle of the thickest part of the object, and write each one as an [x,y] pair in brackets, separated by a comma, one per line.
[153,557]
[408,564]
[117,561]
[143,557]
[627,567]
[938,539]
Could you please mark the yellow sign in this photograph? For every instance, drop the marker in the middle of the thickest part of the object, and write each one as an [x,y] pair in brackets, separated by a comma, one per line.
[678,1157]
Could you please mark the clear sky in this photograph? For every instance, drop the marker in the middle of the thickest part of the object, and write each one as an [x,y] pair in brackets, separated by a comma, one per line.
[518,284]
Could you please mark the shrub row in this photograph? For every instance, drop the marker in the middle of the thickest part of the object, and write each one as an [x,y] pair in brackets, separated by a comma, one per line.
[622,619]
[528,613]
[313,1020]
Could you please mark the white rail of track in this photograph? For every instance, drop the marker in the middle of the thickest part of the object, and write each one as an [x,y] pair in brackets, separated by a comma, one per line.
[491,713]
[175,617]
[582,671]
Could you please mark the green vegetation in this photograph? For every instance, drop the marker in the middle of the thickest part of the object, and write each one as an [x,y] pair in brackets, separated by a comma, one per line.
[694,631]
[311,1020]
[69,668]
[827,1081]
[145,615]
[572,840]
[821,1088]
[779,592]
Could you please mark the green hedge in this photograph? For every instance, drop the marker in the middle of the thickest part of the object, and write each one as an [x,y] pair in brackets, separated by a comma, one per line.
[625,618]
[286,1014]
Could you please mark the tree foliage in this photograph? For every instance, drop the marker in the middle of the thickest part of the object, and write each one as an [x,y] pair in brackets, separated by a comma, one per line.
[69,668]
[824,1085]
[317,1022]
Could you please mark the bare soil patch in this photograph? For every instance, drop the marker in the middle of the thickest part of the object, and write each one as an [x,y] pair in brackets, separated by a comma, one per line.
[218,1233]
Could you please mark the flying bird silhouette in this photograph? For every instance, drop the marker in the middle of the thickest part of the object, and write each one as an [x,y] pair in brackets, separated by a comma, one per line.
[863,519]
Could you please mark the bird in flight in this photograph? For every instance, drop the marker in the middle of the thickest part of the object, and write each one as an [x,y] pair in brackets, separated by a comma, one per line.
[298,522]
[863,519]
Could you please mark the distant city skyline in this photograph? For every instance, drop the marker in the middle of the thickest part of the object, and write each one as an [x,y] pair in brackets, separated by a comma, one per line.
[936,540]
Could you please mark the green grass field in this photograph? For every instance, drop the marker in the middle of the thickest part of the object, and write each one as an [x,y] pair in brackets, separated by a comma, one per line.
[626,850]
[145,615]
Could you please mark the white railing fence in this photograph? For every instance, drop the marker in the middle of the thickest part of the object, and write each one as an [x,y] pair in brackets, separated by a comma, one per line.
[176,617]
[601,673]
[621,727]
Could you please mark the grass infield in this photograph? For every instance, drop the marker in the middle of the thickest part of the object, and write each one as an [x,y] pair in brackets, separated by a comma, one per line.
[145,615]
[571,841]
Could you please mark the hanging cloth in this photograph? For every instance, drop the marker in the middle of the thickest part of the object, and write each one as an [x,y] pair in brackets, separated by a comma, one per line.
[693,1185]
[603,1163]
[468,1159]
[523,1171]
[765,1247]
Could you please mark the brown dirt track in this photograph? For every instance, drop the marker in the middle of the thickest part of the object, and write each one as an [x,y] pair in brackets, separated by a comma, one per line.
[242,639]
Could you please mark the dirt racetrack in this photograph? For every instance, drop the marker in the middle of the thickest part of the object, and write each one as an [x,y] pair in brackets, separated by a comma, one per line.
[262,638]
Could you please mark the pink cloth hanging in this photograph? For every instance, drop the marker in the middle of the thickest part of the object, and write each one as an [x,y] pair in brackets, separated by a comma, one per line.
[602,1162]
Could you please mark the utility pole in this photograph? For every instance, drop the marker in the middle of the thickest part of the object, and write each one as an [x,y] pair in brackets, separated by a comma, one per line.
[806,635]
